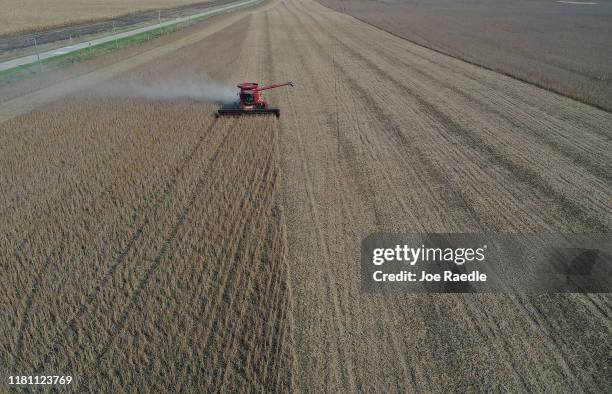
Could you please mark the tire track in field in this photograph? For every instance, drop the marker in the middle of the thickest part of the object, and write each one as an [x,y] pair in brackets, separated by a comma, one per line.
[327,278]
[166,192]
[25,320]
[345,145]
[245,280]
[37,275]
[383,309]
[235,345]
[228,314]
[169,242]
[256,53]
[229,243]
[240,262]
[49,262]
[288,302]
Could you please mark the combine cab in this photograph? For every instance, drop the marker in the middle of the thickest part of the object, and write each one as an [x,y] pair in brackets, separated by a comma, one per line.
[250,101]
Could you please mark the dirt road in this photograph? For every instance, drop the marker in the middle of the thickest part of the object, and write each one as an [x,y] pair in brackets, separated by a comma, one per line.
[150,245]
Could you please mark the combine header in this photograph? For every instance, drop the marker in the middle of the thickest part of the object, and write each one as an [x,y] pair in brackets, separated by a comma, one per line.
[251,102]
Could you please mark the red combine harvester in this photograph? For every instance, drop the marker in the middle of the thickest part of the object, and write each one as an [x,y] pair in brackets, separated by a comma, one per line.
[251,102]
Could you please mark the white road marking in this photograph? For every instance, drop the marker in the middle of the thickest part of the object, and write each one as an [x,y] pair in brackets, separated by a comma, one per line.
[577,2]
[65,50]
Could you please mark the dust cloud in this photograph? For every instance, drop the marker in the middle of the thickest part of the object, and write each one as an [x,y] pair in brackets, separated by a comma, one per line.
[187,87]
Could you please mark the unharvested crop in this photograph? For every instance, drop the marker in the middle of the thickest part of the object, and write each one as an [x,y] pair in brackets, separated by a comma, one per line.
[164,237]
[148,225]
